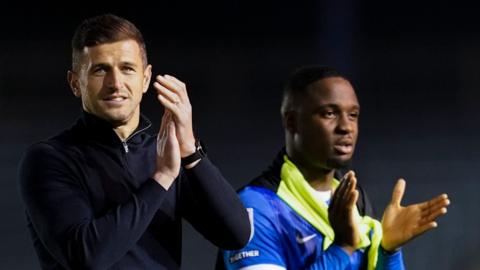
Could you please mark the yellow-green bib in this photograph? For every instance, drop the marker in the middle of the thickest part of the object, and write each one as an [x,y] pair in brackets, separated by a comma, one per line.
[300,196]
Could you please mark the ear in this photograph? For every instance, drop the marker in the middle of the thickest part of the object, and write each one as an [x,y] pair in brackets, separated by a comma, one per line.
[72,78]
[289,119]
[147,75]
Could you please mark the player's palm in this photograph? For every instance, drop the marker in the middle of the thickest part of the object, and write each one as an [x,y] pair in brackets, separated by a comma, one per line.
[401,224]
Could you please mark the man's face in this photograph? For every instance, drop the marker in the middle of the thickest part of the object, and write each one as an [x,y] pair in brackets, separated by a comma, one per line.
[111,81]
[327,124]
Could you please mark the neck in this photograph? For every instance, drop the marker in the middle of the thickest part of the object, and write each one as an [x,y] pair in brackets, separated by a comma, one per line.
[319,178]
[124,130]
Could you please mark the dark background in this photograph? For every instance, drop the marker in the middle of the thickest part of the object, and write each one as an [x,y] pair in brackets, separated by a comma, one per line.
[414,66]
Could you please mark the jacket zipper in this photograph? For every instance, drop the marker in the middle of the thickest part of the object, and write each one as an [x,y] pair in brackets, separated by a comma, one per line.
[125,146]
[124,143]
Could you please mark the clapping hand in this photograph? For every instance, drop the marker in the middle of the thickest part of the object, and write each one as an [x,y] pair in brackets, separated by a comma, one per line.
[341,213]
[401,224]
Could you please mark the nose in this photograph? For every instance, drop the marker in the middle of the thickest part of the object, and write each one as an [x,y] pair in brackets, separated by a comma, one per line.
[345,125]
[114,79]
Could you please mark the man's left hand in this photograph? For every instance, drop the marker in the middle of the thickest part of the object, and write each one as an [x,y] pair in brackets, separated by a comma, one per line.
[172,94]
[401,224]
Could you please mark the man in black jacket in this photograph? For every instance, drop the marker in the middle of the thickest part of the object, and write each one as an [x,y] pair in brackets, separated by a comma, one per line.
[104,194]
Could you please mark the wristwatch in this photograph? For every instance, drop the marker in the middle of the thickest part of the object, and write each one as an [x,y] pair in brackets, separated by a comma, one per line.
[200,152]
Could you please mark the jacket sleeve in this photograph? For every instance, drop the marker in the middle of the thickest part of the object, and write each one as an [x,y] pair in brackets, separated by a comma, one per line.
[390,261]
[63,218]
[212,206]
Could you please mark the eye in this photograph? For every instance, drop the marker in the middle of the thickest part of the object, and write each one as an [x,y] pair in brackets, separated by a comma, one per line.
[329,114]
[99,71]
[354,115]
[128,70]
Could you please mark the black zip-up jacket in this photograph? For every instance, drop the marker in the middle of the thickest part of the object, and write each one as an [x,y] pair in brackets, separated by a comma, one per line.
[91,204]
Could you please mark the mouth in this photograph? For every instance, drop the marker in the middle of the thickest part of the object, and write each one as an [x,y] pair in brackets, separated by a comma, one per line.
[343,147]
[114,101]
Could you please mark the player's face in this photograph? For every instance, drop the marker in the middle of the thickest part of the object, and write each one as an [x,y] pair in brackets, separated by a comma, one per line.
[327,123]
[112,80]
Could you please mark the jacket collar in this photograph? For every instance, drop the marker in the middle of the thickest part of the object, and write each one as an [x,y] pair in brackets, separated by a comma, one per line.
[98,129]
[270,178]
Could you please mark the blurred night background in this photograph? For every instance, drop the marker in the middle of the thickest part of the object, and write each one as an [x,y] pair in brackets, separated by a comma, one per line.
[415,67]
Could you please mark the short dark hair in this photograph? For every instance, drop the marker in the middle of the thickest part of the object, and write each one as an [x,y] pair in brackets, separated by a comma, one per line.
[300,79]
[103,29]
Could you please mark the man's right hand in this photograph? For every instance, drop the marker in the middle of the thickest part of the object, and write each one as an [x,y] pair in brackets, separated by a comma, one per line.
[168,153]
[341,214]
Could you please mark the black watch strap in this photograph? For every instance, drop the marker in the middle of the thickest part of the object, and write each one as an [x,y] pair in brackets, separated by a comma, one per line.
[200,152]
